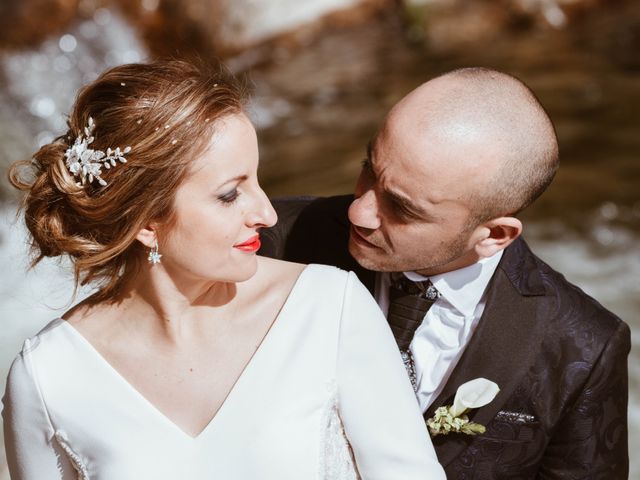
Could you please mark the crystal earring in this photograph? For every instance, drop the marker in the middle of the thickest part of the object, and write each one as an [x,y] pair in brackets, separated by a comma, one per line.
[154,254]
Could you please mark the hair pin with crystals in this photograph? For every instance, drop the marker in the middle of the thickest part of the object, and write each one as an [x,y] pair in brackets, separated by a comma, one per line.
[85,163]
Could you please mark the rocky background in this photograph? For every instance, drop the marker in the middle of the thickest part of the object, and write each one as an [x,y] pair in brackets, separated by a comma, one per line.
[324,72]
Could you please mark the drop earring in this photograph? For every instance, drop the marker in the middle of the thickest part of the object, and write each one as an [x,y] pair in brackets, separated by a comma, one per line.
[154,254]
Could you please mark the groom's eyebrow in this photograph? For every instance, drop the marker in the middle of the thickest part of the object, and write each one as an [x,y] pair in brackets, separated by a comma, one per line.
[405,203]
[397,198]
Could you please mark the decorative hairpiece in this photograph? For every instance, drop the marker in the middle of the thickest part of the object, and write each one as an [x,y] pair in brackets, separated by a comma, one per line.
[85,163]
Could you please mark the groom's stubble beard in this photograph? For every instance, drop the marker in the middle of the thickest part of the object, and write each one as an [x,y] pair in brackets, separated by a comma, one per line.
[427,259]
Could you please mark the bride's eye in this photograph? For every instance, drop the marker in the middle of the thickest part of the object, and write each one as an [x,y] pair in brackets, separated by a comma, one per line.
[229,197]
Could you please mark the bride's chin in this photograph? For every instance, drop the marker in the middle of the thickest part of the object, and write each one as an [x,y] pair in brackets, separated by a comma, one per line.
[244,271]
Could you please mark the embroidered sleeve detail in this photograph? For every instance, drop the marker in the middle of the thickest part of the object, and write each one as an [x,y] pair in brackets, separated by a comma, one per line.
[75,459]
[336,456]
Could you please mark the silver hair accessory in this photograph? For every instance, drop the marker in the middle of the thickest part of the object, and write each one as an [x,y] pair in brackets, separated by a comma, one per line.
[85,163]
[154,254]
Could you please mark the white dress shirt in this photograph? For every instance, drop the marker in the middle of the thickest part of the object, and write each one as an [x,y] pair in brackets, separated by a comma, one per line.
[447,327]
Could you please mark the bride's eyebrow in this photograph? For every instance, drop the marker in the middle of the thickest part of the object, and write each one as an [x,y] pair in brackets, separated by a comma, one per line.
[238,179]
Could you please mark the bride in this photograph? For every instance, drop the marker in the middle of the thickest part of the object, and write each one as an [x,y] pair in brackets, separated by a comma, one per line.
[195,358]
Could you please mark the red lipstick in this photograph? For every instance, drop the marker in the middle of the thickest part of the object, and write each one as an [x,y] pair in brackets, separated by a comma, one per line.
[251,245]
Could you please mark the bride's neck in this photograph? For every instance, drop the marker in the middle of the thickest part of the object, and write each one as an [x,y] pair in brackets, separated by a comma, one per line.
[173,303]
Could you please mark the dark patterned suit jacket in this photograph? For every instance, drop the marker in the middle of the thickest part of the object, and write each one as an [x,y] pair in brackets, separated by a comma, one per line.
[559,358]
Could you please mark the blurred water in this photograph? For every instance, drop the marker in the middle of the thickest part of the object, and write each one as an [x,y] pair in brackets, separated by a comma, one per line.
[38,86]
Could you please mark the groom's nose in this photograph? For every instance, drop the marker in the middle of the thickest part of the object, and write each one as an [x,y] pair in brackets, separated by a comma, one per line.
[363,211]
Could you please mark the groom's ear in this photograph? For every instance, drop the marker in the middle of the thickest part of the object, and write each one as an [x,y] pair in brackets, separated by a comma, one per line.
[497,234]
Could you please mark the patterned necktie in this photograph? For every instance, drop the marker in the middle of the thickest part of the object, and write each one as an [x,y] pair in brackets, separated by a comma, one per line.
[408,303]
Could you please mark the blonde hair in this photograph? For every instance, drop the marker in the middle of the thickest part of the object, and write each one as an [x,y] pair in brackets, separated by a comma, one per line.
[166,111]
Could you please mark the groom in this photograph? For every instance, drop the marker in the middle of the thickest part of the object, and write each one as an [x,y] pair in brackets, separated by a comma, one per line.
[438,197]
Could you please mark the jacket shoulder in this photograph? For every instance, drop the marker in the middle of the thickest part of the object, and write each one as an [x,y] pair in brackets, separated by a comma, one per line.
[304,225]
[575,311]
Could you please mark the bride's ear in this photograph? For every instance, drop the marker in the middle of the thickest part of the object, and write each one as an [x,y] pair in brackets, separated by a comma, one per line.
[498,234]
[147,236]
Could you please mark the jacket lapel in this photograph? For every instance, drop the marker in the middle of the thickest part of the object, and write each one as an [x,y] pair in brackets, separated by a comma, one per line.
[502,346]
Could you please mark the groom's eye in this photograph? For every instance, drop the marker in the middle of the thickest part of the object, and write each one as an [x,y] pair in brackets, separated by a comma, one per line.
[402,211]
[367,167]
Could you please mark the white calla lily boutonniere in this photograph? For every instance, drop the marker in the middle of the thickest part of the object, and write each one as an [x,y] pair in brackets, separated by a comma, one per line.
[472,394]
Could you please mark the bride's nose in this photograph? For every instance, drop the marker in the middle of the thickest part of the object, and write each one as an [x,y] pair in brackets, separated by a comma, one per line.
[262,213]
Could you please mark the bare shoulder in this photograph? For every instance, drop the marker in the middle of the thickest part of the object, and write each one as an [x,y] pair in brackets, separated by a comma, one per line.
[272,272]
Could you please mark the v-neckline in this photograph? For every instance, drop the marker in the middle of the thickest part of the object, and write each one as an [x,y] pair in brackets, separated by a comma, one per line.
[232,391]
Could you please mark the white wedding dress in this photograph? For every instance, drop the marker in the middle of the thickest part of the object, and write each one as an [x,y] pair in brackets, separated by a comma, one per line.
[324,397]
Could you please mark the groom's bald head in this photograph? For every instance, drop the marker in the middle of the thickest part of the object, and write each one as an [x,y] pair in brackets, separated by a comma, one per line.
[454,161]
[503,136]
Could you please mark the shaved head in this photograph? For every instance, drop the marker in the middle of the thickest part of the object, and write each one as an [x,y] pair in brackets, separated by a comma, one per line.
[504,137]
[454,162]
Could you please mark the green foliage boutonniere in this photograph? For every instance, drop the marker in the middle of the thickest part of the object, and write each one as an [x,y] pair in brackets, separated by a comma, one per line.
[472,394]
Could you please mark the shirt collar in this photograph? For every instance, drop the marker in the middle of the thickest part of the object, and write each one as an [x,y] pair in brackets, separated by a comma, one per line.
[463,288]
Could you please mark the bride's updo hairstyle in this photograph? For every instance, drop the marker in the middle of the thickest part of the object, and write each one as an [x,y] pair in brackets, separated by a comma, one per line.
[166,112]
